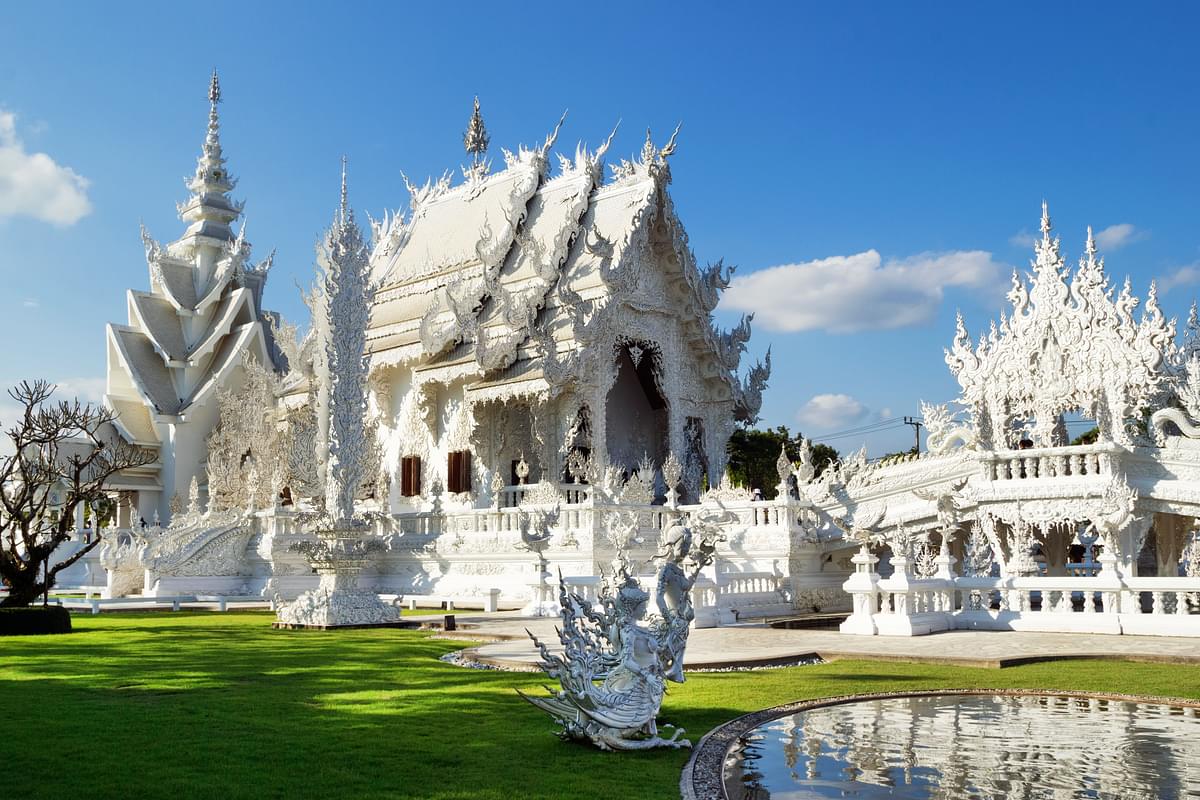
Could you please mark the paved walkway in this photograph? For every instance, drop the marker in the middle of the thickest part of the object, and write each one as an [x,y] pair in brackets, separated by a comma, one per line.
[760,645]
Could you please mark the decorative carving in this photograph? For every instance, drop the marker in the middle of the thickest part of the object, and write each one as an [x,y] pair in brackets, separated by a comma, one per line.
[211,545]
[748,393]
[246,443]
[543,493]
[942,429]
[639,489]
[629,660]
[1068,346]
[342,549]
[194,497]
[726,492]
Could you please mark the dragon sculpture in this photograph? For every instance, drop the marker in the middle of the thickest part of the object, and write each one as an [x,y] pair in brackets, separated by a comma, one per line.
[616,660]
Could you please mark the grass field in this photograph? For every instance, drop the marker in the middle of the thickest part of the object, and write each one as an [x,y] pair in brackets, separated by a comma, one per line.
[207,705]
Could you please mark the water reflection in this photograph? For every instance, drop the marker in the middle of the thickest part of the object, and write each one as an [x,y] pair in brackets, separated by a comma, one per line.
[972,746]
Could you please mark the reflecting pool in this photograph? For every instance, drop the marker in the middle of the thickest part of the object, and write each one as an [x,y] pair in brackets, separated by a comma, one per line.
[972,746]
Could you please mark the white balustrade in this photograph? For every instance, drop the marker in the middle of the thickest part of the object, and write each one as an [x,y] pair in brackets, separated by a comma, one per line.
[1089,460]
[1105,603]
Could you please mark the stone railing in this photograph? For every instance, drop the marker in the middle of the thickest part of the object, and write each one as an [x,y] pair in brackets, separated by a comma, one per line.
[586,514]
[752,594]
[1049,462]
[732,597]
[1108,602]
[572,493]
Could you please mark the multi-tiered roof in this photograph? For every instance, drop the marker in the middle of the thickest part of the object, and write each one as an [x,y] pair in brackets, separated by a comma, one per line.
[203,310]
[500,279]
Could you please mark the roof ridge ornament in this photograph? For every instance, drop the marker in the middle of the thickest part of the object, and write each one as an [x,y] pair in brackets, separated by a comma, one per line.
[1068,345]
[553,137]
[592,162]
[476,138]
[651,161]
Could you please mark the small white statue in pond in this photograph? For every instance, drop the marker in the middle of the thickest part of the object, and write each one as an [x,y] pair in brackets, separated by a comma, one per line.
[616,661]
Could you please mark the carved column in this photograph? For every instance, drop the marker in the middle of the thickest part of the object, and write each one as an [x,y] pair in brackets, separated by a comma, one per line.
[1170,533]
[1056,541]
[1129,544]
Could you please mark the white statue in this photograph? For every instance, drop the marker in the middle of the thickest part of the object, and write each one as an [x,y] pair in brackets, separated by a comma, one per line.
[617,662]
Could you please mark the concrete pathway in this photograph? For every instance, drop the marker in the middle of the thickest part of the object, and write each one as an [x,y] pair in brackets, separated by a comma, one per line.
[751,645]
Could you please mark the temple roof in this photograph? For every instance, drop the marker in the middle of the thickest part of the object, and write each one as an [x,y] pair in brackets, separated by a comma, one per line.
[486,270]
[201,314]
[145,366]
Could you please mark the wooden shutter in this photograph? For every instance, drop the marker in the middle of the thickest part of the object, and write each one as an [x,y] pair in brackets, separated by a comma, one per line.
[410,476]
[458,471]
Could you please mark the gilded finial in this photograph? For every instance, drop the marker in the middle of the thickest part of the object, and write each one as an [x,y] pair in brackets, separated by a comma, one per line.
[214,88]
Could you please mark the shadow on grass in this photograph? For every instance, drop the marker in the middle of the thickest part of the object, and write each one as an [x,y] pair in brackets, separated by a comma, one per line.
[205,705]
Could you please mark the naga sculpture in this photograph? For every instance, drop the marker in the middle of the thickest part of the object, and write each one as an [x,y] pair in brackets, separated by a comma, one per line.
[616,660]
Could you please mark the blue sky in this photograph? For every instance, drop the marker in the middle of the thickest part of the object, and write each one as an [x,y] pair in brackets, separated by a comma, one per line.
[903,148]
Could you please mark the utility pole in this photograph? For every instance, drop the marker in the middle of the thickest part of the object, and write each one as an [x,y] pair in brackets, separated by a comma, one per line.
[916,424]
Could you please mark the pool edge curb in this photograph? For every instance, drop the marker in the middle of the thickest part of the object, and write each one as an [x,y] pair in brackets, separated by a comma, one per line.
[714,746]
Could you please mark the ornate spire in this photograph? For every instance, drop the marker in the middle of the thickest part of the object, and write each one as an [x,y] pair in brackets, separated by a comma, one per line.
[1045,220]
[344,210]
[214,97]
[476,138]
[209,211]
[211,157]
[344,306]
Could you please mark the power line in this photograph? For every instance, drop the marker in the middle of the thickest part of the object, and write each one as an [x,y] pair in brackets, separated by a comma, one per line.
[896,426]
[860,429]
[862,434]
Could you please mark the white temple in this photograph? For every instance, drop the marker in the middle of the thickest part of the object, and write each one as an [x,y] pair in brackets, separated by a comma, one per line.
[547,390]
[186,336]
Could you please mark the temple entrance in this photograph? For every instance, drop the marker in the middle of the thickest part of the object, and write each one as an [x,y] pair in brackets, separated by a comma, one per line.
[636,410]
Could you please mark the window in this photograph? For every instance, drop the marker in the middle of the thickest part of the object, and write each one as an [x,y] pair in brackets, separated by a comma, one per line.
[410,476]
[458,472]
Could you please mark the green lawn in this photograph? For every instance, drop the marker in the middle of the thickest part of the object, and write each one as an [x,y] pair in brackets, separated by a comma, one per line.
[213,705]
[426,612]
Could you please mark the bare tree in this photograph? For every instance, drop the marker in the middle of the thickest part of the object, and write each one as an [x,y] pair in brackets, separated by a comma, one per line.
[62,455]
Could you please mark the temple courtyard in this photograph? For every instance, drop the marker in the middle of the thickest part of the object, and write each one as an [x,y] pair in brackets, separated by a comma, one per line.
[794,453]
[201,704]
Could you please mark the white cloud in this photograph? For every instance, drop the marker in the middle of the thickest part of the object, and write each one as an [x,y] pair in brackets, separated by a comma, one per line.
[88,390]
[34,185]
[1023,238]
[1187,275]
[1119,235]
[846,294]
[30,302]
[828,412]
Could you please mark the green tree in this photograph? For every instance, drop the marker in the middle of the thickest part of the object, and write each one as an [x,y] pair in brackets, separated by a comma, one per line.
[912,451]
[752,456]
[1087,437]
